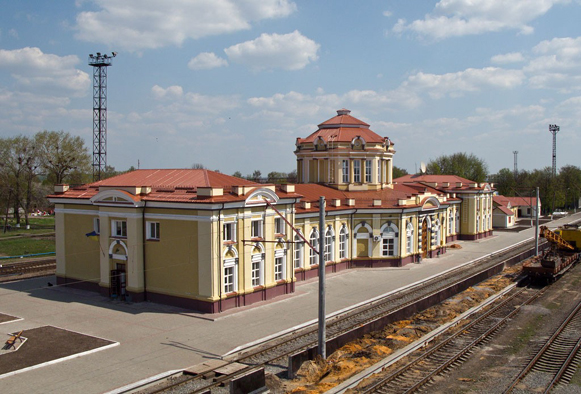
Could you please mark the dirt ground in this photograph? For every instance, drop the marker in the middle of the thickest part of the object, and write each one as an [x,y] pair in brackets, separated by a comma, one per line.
[46,344]
[6,318]
[319,376]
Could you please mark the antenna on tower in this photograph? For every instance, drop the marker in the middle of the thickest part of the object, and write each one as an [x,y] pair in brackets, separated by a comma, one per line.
[100,62]
[515,152]
[554,129]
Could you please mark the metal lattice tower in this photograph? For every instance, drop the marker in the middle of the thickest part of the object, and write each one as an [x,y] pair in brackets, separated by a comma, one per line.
[515,152]
[100,63]
[554,129]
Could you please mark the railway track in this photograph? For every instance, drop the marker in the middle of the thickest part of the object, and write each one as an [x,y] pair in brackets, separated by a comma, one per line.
[418,373]
[12,271]
[275,353]
[556,361]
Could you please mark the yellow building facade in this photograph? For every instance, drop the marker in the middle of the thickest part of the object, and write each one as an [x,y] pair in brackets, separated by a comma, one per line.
[210,242]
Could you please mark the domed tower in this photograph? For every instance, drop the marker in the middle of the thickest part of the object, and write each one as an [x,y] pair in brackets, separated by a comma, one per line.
[345,154]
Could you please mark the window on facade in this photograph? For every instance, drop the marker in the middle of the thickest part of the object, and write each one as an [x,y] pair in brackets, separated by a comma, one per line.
[379,171]
[451,223]
[328,254]
[409,238]
[357,171]
[153,230]
[119,228]
[230,276]
[314,241]
[477,203]
[299,247]
[229,231]
[388,242]
[368,171]
[279,227]
[343,243]
[477,223]
[457,222]
[256,229]
[257,270]
[97,225]
[279,269]
[345,171]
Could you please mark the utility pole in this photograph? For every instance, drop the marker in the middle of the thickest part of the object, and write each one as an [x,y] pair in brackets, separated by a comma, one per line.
[100,63]
[322,328]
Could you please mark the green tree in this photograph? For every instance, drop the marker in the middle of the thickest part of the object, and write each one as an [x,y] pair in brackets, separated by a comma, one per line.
[398,172]
[61,154]
[461,164]
[237,174]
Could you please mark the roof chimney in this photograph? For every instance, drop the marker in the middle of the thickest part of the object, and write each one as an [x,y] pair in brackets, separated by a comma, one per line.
[343,111]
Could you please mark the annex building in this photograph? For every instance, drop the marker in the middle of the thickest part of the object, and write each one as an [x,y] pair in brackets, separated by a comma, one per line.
[209,242]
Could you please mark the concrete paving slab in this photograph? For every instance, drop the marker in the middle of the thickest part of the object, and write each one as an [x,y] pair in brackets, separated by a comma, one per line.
[156,338]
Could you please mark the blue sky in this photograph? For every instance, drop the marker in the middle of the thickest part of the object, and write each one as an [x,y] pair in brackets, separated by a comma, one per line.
[232,84]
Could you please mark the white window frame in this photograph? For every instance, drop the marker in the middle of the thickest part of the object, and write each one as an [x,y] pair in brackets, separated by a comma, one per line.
[123,228]
[257,269]
[279,265]
[356,171]
[389,237]
[328,253]
[345,171]
[450,223]
[256,228]
[152,230]
[229,231]
[379,171]
[409,238]
[97,225]
[343,242]
[299,248]
[457,222]
[279,225]
[314,241]
[367,171]
[230,264]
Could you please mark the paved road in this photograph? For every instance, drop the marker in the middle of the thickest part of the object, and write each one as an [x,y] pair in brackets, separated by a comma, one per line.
[155,338]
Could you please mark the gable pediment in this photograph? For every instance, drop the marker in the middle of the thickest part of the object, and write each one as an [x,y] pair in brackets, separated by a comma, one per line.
[258,196]
[116,198]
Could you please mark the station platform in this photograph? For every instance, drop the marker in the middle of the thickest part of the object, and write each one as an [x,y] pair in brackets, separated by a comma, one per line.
[149,339]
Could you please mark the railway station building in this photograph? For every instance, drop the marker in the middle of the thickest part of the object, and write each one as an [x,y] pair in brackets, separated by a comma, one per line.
[209,242]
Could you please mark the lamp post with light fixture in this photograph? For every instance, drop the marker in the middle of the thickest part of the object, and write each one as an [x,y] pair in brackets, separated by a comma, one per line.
[100,62]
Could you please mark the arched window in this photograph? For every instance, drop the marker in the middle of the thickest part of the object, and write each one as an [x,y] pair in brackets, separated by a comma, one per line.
[230,278]
[329,244]
[343,244]
[450,223]
[389,240]
[299,250]
[314,241]
[279,263]
[409,232]
[437,232]
[257,260]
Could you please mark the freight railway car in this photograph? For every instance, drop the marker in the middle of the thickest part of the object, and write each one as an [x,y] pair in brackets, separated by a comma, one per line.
[562,255]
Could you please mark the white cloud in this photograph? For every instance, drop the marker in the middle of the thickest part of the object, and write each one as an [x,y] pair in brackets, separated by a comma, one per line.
[387,13]
[452,18]
[34,70]
[556,65]
[206,61]
[143,24]
[291,51]
[172,92]
[469,80]
[506,58]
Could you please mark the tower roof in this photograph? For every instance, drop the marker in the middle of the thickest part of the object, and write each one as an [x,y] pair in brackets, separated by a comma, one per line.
[343,128]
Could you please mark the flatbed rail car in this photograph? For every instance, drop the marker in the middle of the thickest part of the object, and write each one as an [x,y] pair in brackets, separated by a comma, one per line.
[549,267]
[563,253]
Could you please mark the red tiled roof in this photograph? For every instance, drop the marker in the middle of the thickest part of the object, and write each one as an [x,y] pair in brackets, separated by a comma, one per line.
[173,178]
[452,180]
[522,201]
[343,128]
[505,210]
[363,199]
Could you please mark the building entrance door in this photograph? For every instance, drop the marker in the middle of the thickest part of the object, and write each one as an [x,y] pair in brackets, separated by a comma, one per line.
[424,238]
[118,281]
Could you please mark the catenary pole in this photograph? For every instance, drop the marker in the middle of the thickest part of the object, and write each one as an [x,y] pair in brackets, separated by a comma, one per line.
[322,329]
[537,224]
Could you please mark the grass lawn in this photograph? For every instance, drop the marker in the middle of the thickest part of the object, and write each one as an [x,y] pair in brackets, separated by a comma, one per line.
[38,225]
[25,245]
